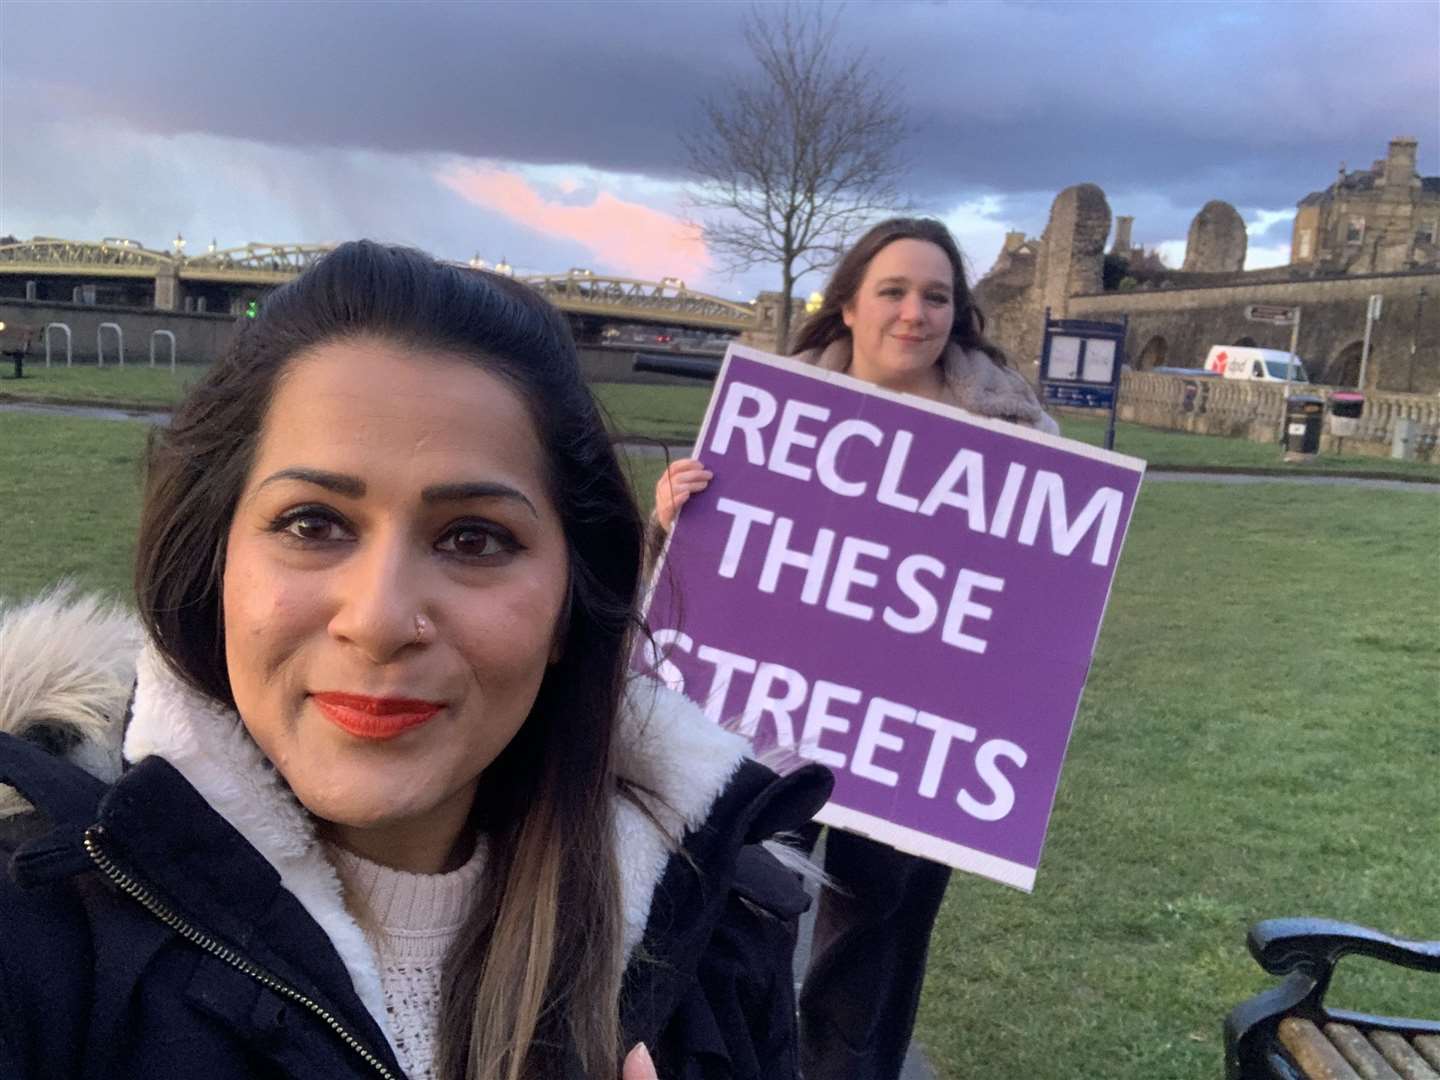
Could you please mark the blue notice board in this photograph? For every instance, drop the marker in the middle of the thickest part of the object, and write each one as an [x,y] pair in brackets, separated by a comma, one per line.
[1080,365]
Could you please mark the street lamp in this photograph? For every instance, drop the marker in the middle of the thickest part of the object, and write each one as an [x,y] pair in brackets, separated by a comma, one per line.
[477,263]
[812,304]
[502,267]
[178,244]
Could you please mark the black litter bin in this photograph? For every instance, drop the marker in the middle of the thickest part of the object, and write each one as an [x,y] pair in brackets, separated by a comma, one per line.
[1303,417]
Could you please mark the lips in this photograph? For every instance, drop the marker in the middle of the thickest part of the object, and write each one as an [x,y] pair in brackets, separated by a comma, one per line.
[374,718]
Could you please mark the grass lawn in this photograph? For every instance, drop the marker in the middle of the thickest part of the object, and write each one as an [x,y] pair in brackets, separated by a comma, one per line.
[133,384]
[69,502]
[1180,449]
[1259,738]
[672,414]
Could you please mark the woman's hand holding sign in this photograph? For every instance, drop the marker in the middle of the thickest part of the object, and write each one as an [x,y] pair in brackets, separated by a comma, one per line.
[683,478]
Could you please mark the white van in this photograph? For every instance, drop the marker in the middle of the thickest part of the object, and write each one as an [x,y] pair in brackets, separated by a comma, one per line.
[1248,362]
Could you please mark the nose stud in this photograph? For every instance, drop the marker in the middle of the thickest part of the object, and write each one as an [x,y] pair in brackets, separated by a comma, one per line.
[422,629]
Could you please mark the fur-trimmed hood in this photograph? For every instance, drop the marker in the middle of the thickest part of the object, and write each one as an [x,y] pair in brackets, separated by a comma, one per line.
[67,664]
[973,382]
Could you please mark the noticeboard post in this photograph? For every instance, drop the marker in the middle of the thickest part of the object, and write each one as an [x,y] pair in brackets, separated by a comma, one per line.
[1280,315]
[904,592]
[1080,366]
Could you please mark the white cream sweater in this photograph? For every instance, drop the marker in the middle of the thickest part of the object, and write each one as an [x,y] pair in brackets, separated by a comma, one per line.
[414,919]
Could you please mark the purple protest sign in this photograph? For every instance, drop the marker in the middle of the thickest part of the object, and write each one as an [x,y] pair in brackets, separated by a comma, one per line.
[899,590]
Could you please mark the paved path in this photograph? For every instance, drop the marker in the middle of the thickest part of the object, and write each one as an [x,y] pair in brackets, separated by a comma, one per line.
[1163,476]
[89,412]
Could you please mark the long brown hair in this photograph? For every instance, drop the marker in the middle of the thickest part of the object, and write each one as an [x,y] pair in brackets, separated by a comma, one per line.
[531,986]
[828,322]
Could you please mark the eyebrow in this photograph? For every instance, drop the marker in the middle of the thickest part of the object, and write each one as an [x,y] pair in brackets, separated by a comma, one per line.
[479,489]
[899,280]
[353,487]
[339,483]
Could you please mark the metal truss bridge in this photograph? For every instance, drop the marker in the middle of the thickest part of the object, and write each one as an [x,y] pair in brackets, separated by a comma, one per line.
[262,266]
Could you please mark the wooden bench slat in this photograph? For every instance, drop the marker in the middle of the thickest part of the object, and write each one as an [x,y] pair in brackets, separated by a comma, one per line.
[1313,1052]
[1402,1056]
[1429,1048]
[1363,1057]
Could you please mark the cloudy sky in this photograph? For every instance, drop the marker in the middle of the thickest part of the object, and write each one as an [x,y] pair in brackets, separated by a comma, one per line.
[549,132]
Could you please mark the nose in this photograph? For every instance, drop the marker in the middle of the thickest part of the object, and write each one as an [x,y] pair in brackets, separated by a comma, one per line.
[912,309]
[378,596]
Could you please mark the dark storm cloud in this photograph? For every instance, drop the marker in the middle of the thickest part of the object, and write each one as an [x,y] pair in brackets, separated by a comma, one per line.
[1256,104]
[1252,103]
[606,85]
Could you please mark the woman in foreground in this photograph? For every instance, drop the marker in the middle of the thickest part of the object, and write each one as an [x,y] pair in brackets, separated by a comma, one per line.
[898,314]
[389,806]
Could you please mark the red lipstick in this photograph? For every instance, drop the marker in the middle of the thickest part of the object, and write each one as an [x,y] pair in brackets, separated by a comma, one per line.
[374,718]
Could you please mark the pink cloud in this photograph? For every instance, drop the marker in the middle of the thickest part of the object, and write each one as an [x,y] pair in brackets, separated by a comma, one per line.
[633,239]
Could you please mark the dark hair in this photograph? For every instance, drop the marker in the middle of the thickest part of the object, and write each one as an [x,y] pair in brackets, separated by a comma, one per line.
[828,323]
[547,812]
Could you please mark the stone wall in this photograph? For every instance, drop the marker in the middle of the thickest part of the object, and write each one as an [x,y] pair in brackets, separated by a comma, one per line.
[1404,346]
[1068,259]
[1253,410]
[1004,299]
[1176,315]
[198,337]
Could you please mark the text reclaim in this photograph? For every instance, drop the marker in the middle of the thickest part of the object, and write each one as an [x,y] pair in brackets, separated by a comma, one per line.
[798,440]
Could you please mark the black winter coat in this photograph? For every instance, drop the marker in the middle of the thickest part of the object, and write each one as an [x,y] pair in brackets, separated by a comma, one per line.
[142,936]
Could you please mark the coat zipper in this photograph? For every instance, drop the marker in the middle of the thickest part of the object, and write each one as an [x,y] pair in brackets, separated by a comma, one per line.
[146,899]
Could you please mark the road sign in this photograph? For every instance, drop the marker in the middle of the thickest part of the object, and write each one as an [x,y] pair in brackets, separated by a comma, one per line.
[1278,314]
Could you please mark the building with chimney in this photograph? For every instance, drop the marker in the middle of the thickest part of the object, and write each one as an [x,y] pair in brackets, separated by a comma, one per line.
[1378,220]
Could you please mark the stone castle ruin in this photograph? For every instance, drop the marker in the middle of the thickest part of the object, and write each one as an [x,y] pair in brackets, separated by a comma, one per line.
[1369,233]
[1216,242]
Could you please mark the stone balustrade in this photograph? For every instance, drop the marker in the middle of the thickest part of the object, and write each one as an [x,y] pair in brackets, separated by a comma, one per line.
[1253,410]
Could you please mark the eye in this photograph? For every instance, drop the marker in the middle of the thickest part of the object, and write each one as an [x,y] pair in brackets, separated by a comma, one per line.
[477,540]
[892,292]
[312,524]
[938,299]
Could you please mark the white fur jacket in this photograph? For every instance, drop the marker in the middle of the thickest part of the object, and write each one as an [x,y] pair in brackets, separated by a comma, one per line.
[67,666]
[973,382]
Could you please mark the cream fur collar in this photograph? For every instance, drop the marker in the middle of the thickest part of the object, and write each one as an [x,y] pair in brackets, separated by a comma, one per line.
[667,746]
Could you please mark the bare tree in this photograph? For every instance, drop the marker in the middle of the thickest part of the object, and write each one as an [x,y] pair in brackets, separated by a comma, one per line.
[801,156]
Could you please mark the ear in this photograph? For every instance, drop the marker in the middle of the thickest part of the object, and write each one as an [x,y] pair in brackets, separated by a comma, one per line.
[847,312]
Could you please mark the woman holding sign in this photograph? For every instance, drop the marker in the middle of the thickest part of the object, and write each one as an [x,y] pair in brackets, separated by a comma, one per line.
[387,802]
[897,313]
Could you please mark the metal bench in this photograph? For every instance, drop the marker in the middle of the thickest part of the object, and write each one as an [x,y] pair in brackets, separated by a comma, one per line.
[1287,1033]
